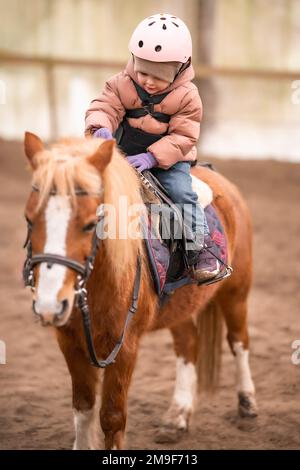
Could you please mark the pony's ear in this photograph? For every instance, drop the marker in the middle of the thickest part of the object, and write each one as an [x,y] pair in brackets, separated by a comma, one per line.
[32,145]
[101,158]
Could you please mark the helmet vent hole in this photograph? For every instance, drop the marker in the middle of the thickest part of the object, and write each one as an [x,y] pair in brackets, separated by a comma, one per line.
[152,22]
[164,26]
[157,48]
[175,24]
[141,43]
[163,18]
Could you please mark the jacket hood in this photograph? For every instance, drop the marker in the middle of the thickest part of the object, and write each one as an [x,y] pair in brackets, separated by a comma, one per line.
[186,76]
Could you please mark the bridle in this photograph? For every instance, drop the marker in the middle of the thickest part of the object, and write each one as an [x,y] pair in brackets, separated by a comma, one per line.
[83,273]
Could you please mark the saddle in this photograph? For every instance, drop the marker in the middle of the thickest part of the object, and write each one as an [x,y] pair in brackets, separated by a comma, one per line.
[165,241]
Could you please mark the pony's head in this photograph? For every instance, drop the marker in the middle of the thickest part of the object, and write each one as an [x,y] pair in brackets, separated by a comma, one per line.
[70,180]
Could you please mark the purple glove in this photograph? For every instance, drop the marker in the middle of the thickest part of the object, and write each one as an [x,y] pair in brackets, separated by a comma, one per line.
[142,161]
[104,133]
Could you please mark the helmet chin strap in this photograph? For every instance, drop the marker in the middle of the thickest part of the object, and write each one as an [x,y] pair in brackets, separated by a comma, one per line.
[183,68]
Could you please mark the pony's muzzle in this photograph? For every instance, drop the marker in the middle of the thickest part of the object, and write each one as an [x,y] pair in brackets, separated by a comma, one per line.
[51,318]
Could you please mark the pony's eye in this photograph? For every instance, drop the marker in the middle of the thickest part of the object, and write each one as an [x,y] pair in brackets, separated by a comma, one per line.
[89,227]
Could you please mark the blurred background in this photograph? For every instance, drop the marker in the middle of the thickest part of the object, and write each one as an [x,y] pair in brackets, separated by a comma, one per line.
[55,56]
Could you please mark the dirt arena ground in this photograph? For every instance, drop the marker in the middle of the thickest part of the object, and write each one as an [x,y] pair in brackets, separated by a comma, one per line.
[35,390]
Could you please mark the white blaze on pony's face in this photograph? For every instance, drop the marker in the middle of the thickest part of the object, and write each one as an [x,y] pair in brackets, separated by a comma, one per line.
[52,278]
[62,224]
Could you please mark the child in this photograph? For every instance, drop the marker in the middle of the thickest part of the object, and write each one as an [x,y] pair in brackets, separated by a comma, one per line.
[154,111]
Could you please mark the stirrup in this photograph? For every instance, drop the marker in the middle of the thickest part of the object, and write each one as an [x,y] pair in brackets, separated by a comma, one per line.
[226,272]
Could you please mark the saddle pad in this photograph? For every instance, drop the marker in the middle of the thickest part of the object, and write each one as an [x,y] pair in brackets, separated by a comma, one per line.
[159,255]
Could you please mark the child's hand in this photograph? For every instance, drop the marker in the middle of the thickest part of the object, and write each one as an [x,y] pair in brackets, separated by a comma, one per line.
[142,161]
[104,133]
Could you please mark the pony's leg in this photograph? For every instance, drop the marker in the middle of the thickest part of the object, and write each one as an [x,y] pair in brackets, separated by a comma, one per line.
[235,314]
[85,388]
[113,412]
[176,419]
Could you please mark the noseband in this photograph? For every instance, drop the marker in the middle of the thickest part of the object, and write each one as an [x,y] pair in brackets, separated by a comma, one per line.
[84,272]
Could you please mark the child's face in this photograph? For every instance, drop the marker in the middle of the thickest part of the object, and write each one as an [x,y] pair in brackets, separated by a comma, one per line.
[151,84]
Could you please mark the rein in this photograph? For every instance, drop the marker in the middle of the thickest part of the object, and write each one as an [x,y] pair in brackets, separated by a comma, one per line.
[84,272]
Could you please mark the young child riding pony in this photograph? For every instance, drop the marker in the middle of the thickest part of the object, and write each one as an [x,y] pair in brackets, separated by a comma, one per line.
[155,111]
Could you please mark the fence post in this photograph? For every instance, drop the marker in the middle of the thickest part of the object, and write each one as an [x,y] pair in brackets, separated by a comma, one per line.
[52,103]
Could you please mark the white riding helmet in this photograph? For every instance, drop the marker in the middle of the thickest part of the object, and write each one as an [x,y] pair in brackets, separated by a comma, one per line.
[161,38]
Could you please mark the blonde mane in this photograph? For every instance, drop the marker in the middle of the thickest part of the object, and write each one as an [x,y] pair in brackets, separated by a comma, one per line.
[65,167]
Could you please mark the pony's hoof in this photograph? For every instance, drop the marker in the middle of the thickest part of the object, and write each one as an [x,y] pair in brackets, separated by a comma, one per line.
[247,405]
[169,434]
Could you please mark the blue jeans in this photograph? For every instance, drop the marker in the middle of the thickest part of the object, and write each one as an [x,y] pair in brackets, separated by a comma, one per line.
[178,183]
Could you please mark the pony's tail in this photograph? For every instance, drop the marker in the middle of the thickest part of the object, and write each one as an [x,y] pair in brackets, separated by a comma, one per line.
[210,329]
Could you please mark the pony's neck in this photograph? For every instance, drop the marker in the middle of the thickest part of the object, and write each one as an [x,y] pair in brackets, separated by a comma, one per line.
[123,208]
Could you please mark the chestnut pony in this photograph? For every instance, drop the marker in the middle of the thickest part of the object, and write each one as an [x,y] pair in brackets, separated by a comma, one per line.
[62,223]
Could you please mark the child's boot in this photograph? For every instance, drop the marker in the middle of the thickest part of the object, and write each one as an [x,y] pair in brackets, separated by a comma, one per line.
[203,264]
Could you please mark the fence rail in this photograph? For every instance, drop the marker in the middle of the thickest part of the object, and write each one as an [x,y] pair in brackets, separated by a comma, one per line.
[201,71]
